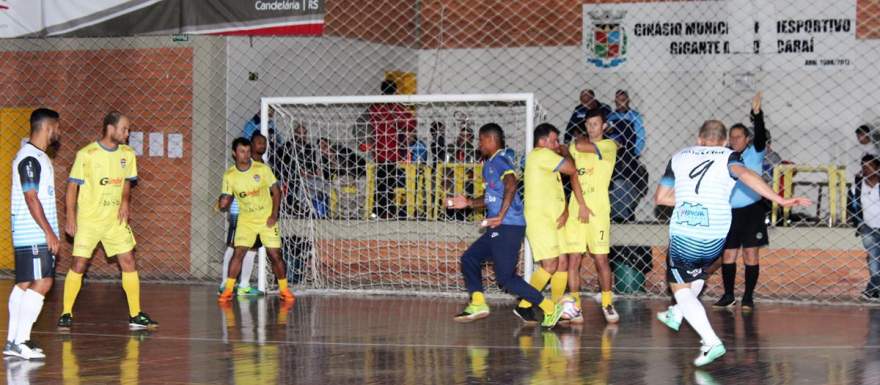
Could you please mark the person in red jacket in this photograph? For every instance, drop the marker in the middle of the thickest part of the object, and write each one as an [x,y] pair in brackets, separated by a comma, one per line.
[389,123]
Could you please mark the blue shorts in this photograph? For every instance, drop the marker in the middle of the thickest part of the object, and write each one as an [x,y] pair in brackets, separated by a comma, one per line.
[688,258]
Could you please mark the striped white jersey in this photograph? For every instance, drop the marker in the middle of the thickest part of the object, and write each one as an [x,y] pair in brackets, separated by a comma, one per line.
[32,170]
[703,183]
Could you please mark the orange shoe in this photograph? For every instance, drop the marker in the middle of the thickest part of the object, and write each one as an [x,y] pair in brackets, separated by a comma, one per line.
[286,295]
[225,297]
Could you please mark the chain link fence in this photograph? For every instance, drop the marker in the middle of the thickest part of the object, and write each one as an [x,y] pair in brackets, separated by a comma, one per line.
[678,63]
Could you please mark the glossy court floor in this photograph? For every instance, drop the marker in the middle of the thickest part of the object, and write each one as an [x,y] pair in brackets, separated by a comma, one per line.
[343,340]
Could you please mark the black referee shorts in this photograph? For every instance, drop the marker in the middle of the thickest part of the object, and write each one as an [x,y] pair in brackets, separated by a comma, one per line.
[33,263]
[748,227]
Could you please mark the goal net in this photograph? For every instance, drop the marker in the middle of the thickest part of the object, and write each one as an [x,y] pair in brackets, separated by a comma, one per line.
[365,182]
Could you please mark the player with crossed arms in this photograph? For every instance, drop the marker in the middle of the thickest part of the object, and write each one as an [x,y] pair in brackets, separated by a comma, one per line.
[698,182]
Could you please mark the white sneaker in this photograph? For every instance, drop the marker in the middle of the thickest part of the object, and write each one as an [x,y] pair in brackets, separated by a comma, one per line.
[671,318]
[23,351]
[611,315]
[709,353]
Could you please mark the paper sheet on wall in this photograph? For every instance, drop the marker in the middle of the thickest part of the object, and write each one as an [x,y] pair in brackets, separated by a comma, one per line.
[175,145]
[157,144]
[136,142]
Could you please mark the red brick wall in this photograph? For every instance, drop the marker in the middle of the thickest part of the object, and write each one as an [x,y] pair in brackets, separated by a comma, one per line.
[153,87]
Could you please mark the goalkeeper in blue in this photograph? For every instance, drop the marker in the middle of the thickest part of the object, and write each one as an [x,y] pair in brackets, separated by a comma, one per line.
[698,182]
[505,229]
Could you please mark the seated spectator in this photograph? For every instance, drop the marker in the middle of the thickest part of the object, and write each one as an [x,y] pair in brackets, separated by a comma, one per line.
[588,102]
[416,150]
[340,161]
[864,212]
[438,142]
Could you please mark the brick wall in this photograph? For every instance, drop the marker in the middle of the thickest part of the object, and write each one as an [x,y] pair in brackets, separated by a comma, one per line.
[153,87]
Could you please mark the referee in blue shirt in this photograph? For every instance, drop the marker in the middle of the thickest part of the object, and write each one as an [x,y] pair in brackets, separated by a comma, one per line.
[748,228]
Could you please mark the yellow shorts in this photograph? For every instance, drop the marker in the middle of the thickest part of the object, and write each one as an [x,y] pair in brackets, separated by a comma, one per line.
[545,240]
[593,237]
[246,234]
[116,239]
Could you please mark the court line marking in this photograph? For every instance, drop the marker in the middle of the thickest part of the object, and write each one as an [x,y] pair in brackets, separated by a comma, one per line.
[456,346]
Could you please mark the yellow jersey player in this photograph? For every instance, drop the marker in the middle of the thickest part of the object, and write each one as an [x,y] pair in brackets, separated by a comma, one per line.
[256,189]
[97,201]
[546,212]
[594,157]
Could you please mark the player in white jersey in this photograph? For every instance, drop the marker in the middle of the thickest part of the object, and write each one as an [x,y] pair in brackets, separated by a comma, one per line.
[34,232]
[698,182]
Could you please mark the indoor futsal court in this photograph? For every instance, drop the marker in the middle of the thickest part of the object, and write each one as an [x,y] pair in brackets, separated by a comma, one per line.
[440,192]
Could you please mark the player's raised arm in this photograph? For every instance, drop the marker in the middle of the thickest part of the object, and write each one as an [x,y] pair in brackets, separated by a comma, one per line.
[567,167]
[757,184]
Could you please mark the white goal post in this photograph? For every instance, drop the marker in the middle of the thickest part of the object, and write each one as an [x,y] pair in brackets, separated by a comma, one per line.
[285,108]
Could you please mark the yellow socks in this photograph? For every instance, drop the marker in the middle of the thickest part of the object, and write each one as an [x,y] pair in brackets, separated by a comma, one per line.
[606,298]
[558,284]
[547,306]
[72,284]
[132,286]
[282,284]
[538,281]
[477,298]
[229,286]
[577,299]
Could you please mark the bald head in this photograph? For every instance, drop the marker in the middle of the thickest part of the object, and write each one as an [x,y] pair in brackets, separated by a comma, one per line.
[713,133]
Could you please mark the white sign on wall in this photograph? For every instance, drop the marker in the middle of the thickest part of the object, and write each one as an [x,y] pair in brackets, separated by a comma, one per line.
[719,35]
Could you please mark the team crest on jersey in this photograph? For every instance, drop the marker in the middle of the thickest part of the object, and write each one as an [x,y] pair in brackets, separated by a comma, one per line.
[256,178]
[122,162]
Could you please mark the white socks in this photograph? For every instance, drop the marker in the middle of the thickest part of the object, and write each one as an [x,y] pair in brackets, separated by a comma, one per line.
[226,258]
[14,311]
[29,310]
[247,267]
[695,314]
[696,288]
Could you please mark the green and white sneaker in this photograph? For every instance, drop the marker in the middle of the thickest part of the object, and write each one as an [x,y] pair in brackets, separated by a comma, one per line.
[472,313]
[709,354]
[671,318]
[550,320]
[249,292]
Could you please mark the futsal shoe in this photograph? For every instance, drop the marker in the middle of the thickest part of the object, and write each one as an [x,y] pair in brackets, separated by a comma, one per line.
[472,313]
[726,301]
[286,295]
[32,346]
[748,304]
[249,292]
[708,354]
[611,315]
[551,319]
[23,351]
[526,314]
[66,321]
[224,297]
[141,321]
[671,318]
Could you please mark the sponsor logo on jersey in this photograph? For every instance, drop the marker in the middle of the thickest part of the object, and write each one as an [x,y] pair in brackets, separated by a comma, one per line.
[110,181]
[692,215]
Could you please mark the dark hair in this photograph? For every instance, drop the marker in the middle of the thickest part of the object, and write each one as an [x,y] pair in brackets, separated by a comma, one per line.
[257,134]
[621,92]
[592,113]
[544,130]
[111,119]
[863,129]
[495,130]
[239,142]
[740,126]
[389,87]
[39,116]
[868,158]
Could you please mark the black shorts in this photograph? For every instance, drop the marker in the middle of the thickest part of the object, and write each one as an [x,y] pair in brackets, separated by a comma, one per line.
[33,263]
[748,227]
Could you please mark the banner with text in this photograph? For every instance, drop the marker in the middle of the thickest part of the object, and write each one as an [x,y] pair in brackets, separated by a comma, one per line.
[99,18]
[719,35]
